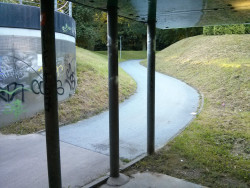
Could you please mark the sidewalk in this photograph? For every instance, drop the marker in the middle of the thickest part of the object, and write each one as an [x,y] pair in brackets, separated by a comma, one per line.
[23,163]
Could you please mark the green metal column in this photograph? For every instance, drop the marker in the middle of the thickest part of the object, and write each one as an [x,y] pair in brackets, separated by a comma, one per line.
[151,76]
[50,93]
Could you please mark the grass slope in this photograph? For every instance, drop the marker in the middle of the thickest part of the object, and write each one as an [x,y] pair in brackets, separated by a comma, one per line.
[126,55]
[215,148]
[91,96]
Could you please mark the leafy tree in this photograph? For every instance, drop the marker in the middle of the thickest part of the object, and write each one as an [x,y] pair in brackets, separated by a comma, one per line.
[87,32]
[133,35]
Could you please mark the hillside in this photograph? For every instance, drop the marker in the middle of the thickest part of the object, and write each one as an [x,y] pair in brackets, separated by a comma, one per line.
[214,149]
[91,96]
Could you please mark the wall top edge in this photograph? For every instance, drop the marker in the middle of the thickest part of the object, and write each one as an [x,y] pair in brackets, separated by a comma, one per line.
[32,33]
[28,17]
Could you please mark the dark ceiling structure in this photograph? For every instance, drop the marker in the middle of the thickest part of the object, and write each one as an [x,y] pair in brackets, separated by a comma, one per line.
[181,13]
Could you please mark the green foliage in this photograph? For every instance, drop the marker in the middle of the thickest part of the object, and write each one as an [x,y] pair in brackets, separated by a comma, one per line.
[247,29]
[226,29]
[127,55]
[208,30]
[133,35]
[91,30]
[86,27]
[230,29]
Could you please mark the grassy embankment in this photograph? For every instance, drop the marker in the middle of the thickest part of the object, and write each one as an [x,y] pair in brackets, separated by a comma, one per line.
[126,55]
[214,150]
[91,96]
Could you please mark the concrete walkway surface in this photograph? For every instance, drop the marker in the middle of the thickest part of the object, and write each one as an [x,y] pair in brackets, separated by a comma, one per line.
[175,102]
[23,163]
[85,144]
[155,180]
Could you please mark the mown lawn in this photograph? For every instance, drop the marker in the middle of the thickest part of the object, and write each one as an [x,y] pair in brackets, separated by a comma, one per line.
[127,55]
[91,96]
[215,148]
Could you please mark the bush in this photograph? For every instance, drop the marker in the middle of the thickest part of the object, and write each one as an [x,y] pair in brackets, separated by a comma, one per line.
[226,29]
[247,29]
[208,30]
[237,29]
[221,30]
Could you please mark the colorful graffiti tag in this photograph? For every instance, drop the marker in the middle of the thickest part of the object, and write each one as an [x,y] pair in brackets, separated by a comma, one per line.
[11,90]
[15,108]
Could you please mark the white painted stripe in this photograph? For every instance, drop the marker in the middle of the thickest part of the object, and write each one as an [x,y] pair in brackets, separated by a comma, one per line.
[32,33]
[61,36]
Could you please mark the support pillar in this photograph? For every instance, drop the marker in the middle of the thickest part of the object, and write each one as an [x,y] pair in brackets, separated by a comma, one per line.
[113,91]
[115,177]
[151,77]
[50,93]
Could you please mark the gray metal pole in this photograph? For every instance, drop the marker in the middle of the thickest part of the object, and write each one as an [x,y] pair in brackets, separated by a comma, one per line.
[113,88]
[70,9]
[20,2]
[151,77]
[50,93]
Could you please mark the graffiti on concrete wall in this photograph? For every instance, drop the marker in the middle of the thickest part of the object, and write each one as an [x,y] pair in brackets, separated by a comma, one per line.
[16,66]
[37,87]
[59,70]
[21,81]
[70,73]
[70,77]
[66,28]
[15,108]
[11,90]
[1,73]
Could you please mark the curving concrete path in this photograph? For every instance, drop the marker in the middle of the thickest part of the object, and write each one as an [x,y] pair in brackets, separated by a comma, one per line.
[84,145]
[175,101]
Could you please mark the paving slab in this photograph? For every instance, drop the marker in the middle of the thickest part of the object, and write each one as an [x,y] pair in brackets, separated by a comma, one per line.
[155,180]
[23,163]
